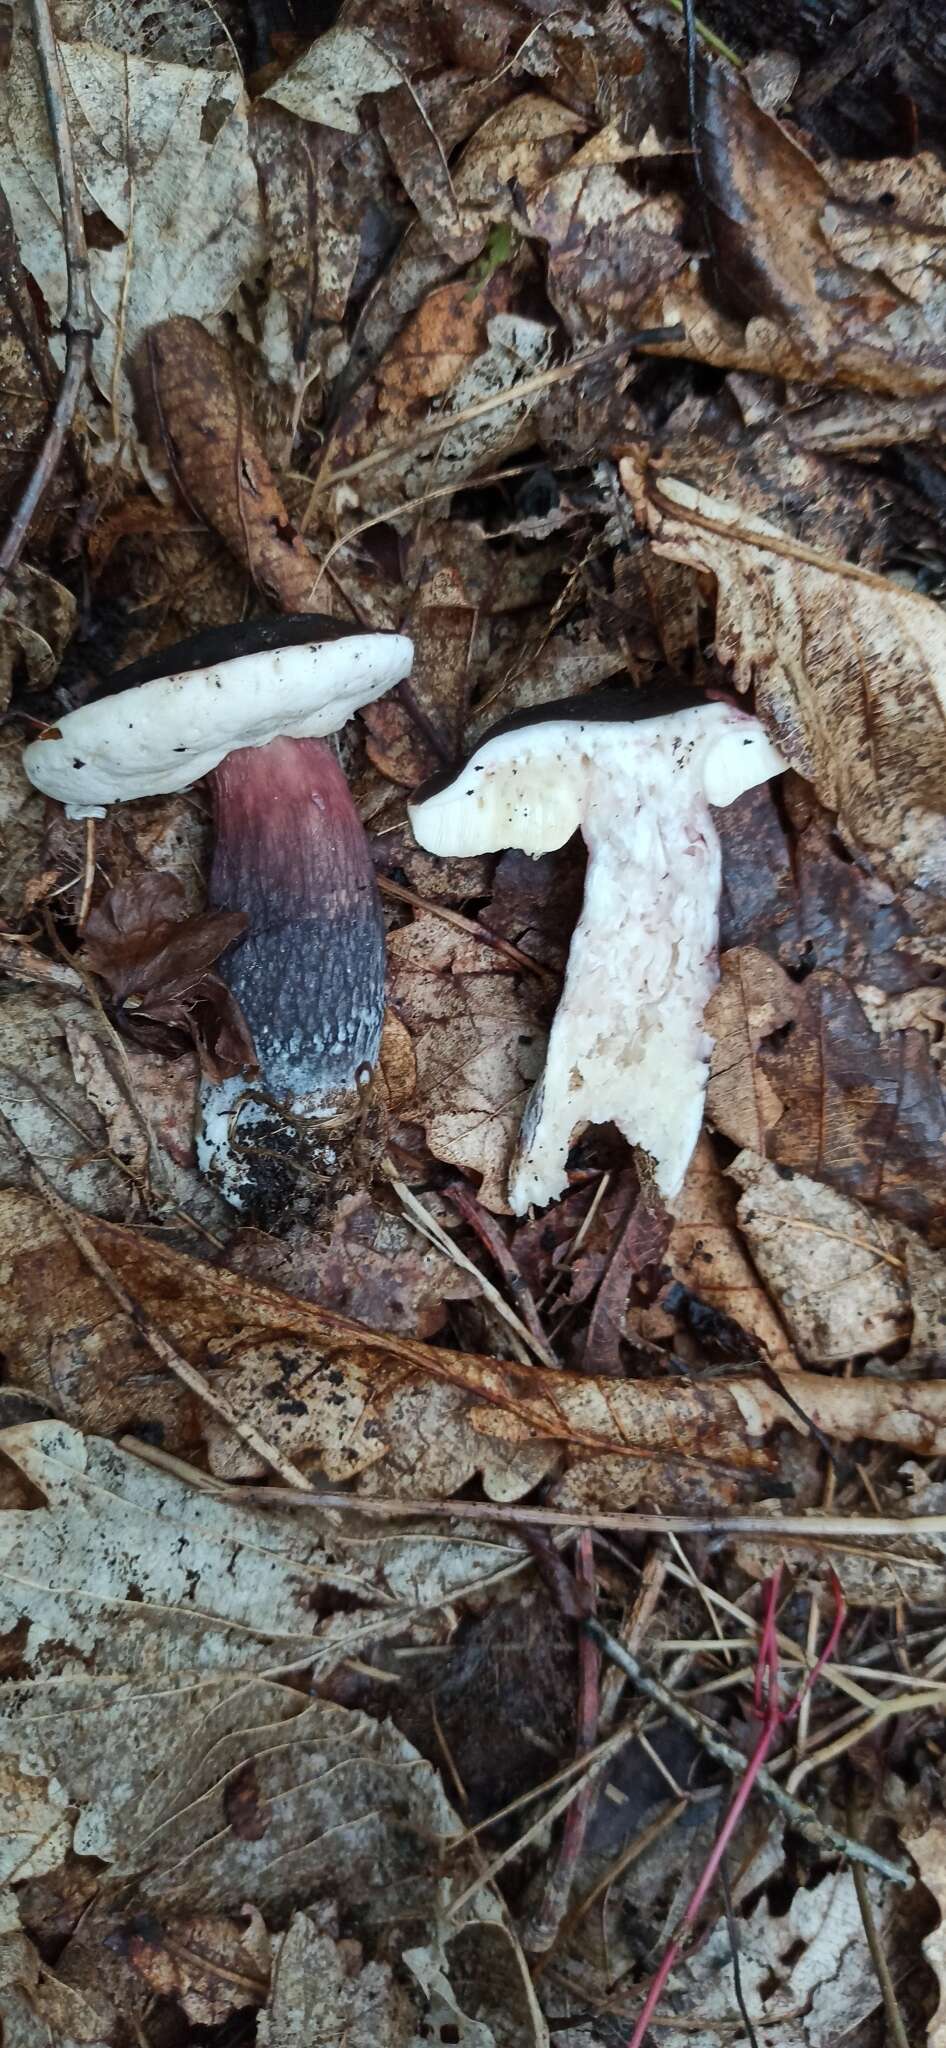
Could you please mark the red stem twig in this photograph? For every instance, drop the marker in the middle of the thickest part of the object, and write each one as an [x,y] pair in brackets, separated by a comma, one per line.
[490,1235]
[773,1717]
[80,321]
[546,1922]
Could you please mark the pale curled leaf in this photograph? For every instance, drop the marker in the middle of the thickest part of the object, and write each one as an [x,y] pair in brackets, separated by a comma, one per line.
[806,1971]
[754,998]
[35,1826]
[836,1271]
[929,1854]
[849,669]
[329,81]
[140,1574]
[131,1568]
[182,202]
[478,1044]
[320,1994]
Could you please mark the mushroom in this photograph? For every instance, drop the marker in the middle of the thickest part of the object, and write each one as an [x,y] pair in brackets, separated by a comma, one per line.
[636,772]
[247,706]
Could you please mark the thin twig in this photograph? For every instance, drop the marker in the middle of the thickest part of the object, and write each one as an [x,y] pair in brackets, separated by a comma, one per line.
[400,894]
[80,322]
[801,1817]
[527,387]
[88,878]
[545,1922]
[828,1532]
[435,1233]
[488,1231]
[22,961]
[898,2032]
[731,1923]
[164,1351]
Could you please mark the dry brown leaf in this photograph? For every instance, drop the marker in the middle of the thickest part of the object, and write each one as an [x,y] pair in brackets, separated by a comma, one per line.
[210,1965]
[199,424]
[836,1272]
[866,1114]
[393,1415]
[843,264]
[413,734]
[162,153]
[35,2005]
[515,148]
[706,1255]
[323,1991]
[849,669]
[828,273]
[611,250]
[156,962]
[754,999]
[465,344]
[478,1043]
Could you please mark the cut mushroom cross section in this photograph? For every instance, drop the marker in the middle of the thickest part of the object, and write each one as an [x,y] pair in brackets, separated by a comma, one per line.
[247,706]
[636,774]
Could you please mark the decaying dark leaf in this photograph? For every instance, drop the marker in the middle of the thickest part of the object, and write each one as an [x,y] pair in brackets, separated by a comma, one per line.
[199,423]
[841,267]
[156,961]
[373,1265]
[210,1966]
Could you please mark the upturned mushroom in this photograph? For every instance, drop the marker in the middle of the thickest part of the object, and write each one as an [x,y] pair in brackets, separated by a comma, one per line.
[637,774]
[248,706]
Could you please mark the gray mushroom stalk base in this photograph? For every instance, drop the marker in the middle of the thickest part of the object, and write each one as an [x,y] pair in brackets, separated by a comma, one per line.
[309,976]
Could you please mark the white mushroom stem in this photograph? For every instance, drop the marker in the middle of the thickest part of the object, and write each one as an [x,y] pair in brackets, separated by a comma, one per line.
[637,775]
[627,1044]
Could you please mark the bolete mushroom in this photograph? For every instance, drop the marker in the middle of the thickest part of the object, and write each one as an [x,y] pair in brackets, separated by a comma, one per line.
[637,773]
[248,706]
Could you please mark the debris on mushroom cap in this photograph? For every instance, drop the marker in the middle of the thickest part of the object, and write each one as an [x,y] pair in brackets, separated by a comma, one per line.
[176,716]
[308,975]
[637,775]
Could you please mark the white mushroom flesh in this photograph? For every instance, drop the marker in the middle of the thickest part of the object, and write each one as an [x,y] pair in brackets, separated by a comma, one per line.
[627,1044]
[165,735]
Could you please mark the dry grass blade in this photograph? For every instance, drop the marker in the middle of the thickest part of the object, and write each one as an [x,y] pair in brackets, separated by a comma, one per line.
[434,1232]
[802,1817]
